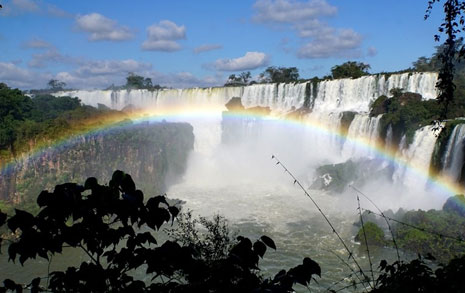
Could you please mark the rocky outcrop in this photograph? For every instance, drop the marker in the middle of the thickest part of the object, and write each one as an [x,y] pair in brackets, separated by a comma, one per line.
[154,154]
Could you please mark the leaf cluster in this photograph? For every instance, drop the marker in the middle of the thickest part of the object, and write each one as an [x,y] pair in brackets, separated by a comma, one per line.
[418,276]
[115,228]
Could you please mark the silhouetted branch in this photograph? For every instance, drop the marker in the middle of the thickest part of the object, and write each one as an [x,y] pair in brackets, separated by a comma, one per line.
[384,217]
[324,216]
[366,240]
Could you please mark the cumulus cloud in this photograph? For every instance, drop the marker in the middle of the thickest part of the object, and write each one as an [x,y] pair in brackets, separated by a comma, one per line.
[251,60]
[288,11]
[101,28]
[109,67]
[341,43]
[101,74]
[207,47]
[15,76]
[41,60]
[164,36]
[319,39]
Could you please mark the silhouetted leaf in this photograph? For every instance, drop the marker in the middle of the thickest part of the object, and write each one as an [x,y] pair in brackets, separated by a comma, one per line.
[268,241]
[9,284]
[312,266]
[259,248]
[91,183]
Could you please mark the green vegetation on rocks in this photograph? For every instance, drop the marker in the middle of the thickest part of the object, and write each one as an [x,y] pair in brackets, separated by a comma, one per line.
[405,113]
[374,235]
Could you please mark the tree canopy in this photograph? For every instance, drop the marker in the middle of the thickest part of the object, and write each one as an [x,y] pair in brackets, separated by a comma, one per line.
[350,69]
[134,81]
[280,74]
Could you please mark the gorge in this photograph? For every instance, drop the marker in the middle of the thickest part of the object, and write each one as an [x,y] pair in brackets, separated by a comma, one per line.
[324,132]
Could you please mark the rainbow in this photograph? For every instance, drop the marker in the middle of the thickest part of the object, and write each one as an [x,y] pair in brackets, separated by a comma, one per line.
[105,125]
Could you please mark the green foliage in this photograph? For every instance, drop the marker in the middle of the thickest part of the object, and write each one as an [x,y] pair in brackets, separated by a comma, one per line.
[116,229]
[280,74]
[417,276]
[350,69]
[455,205]
[405,113]
[48,107]
[374,235]
[134,81]
[26,121]
[424,242]
[56,85]
[212,241]
[14,109]
[238,80]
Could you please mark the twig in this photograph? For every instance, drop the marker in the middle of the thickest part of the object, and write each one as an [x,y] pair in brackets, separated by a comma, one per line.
[366,240]
[324,216]
[384,217]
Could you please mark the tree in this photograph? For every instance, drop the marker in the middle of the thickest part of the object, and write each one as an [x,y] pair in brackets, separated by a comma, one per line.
[134,81]
[237,80]
[454,23]
[350,69]
[280,74]
[56,85]
[245,76]
[115,228]
[14,107]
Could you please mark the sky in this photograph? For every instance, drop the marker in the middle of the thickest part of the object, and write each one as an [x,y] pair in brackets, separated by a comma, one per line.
[180,44]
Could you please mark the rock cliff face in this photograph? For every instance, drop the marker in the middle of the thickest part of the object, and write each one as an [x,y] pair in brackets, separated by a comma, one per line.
[154,154]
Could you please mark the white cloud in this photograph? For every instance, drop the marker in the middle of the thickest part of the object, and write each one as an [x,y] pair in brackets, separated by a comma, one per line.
[341,43]
[109,67]
[163,37]
[161,45]
[305,19]
[37,44]
[15,76]
[289,11]
[251,60]
[101,28]
[207,47]
[50,56]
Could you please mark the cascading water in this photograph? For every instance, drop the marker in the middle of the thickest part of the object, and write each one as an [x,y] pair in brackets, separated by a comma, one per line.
[327,101]
[453,157]
[416,157]
[238,179]
[362,127]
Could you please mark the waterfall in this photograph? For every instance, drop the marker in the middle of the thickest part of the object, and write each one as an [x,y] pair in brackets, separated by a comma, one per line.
[453,157]
[363,128]
[326,101]
[415,158]
[357,94]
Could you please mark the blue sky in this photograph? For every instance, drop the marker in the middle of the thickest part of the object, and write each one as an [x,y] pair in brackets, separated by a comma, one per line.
[93,44]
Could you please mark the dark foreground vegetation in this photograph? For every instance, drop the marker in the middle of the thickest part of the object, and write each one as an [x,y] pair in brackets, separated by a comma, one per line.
[117,228]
